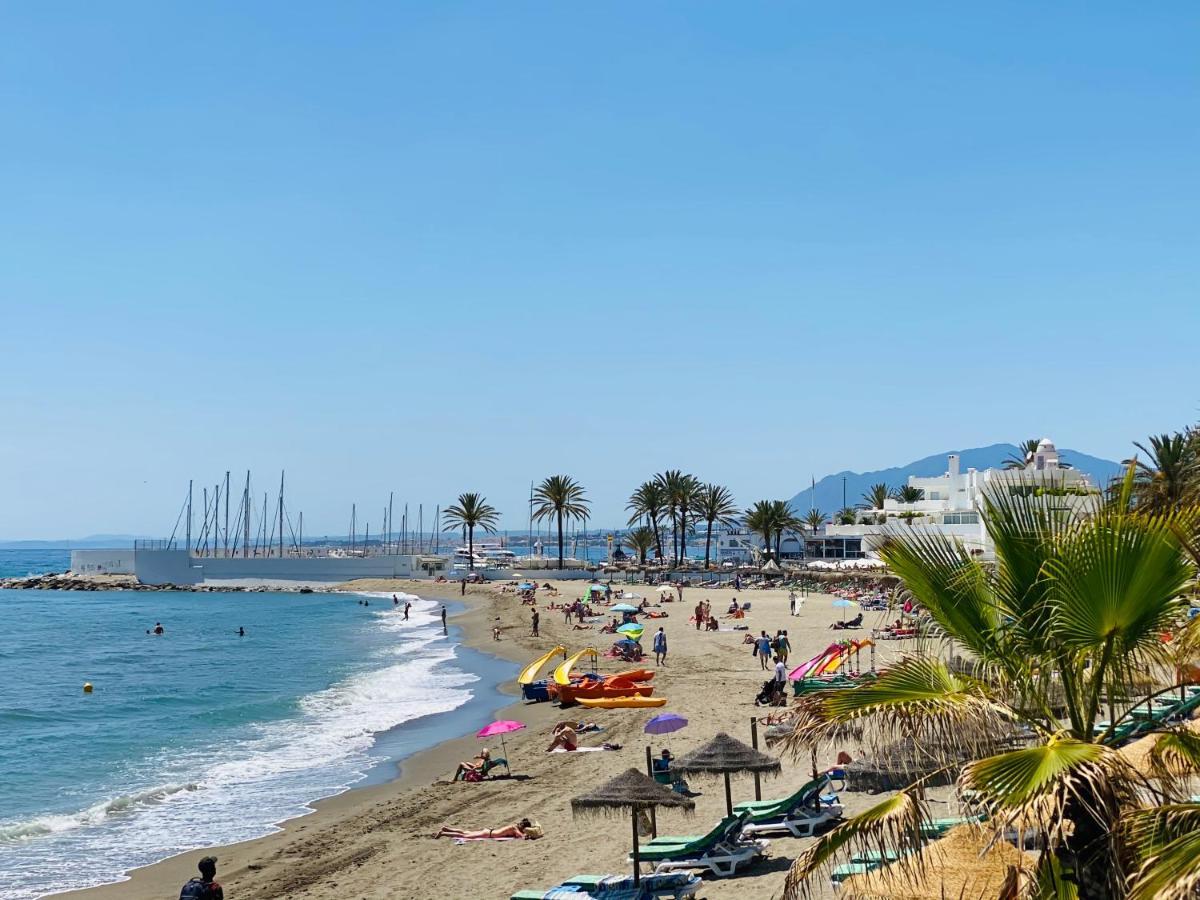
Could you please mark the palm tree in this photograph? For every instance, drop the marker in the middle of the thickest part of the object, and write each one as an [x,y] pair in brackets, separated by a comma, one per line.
[471,511]
[641,541]
[1171,476]
[847,515]
[761,519]
[909,494]
[689,492]
[785,520]
[648,503]
[560,497]
[715,504]
[676,488]
[1019,458]
[814,519]
[876,496]
[1065,630]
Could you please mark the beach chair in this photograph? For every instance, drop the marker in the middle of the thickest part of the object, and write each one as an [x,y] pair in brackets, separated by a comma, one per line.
[669,886]
[799,814]
[936,828]
[722,851]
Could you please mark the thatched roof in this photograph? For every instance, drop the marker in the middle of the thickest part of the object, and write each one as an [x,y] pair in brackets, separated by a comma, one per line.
[725,754]
[961,865]
[630,789]
[1137,753]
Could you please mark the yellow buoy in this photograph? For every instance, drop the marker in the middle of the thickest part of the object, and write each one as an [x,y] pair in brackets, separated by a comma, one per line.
[87,687]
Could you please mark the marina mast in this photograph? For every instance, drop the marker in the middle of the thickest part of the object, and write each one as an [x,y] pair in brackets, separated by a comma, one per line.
[246,506]
[188,546]
[281,514]
[227,512]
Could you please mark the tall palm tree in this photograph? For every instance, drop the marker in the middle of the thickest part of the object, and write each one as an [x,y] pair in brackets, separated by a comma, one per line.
[814,519]
[909,494]
[1065,630]
[560,497]
[1171,474]
[785,520]
[641,541]
[674,485]
[714,504]
[471,511]
[689,494]
[876,496]
[648,503]
[847,515]
[761,519]
[1020,457]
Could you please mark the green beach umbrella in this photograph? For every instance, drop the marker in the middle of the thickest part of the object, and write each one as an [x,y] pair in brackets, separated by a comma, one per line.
[632,629]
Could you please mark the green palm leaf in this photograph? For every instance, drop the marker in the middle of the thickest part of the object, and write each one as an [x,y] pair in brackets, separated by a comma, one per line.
[1167,841]
[890,827]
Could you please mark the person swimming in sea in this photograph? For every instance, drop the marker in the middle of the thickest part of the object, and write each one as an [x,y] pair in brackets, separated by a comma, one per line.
[158,629]
[241,631]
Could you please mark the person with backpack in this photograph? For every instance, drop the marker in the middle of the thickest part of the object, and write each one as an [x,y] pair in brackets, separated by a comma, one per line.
[206,887]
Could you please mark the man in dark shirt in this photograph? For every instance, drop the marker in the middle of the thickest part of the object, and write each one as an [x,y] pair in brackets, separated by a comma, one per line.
[206,887]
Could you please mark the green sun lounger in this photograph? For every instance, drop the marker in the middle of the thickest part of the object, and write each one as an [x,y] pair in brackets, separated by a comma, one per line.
[848,870]
[722,851]
[799,814]
[936,828]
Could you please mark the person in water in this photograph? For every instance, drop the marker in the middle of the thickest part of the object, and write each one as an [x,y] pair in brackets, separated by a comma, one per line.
[241,632]
[444,618]
[158,629]
[395,600]
[206,887]
[407,607]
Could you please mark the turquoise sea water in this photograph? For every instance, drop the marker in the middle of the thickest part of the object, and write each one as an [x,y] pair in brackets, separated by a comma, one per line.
[19,563]
[200,736]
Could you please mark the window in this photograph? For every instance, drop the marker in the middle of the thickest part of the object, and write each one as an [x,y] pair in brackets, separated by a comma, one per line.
[965,518]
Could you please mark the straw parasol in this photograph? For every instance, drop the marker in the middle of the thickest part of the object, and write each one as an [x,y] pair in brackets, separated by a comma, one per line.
[1137,753]
[724,755]
[633,791]
[964,864]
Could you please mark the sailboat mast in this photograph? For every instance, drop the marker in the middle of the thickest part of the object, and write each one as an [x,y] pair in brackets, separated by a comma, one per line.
[189,518]
[227,512]
[281,515]
[391,524]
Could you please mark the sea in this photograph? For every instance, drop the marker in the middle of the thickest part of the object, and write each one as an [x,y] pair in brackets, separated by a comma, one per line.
[200,736]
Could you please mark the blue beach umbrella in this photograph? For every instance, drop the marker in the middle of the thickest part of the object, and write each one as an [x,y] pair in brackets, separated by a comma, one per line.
[842,604]
[624,608]
[632,629]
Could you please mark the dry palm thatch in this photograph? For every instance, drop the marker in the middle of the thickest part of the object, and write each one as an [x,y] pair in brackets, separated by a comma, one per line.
[964,865]
[629,790]
[724,755]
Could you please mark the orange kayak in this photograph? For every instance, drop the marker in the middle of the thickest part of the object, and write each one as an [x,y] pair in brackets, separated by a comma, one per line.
[634,702]
[611,687]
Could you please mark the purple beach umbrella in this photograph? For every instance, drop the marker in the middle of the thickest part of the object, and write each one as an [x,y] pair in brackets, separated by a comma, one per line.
[665,723]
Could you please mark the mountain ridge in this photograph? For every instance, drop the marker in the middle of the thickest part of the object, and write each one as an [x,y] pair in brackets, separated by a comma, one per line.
[828,493]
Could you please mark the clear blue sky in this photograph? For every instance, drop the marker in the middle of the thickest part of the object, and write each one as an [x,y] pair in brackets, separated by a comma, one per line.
[433,247]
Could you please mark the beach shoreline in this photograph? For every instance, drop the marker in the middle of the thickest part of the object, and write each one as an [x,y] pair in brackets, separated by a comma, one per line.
[376,841]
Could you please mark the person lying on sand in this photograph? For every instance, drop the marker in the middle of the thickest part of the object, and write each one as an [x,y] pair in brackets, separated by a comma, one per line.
[564,736]
[523,830]
[475,765]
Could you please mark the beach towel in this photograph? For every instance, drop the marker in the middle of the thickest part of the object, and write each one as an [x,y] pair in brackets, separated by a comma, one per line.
[462,840]
[579,749]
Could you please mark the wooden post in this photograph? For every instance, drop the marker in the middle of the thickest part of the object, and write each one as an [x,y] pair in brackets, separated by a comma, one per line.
[653,811]
[728,797]
[637,863]
[754,744]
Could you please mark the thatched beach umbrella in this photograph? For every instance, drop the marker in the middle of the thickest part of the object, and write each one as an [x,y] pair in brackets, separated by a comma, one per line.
[633,791]
[724,755]
[964,864]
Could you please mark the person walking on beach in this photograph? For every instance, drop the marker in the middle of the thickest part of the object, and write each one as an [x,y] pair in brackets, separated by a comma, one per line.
[784,646]
[407,607]
[660,647]
[444,631]
[533,623]
[780,674]
[764,651]
[792,602]
[463,591]
[700,617]
[206,887]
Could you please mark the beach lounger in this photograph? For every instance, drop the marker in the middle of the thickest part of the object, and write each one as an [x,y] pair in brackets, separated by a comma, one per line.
[848,870]
[799,814]
[936,828]
[722,851]
[673,886]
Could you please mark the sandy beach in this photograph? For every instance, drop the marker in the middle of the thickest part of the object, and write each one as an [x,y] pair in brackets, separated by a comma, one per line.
[377,841]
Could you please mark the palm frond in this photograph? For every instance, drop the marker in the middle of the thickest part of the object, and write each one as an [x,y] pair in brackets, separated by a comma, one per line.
[892,826]
[1166,840]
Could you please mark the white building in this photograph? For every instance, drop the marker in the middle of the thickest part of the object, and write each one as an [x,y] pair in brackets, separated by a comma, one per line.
[952,503]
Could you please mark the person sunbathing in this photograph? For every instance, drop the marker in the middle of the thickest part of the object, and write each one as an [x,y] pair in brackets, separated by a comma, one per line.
[478,764]
[564,737]
[523,830]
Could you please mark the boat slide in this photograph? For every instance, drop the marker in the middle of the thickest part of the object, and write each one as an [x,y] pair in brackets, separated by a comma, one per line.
[530,672]
[562,675]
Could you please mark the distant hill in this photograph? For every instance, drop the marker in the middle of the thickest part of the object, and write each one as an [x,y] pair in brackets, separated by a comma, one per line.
[828,492]
[95,541]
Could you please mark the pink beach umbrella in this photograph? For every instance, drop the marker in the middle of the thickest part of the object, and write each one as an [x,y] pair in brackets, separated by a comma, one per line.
[501,728]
